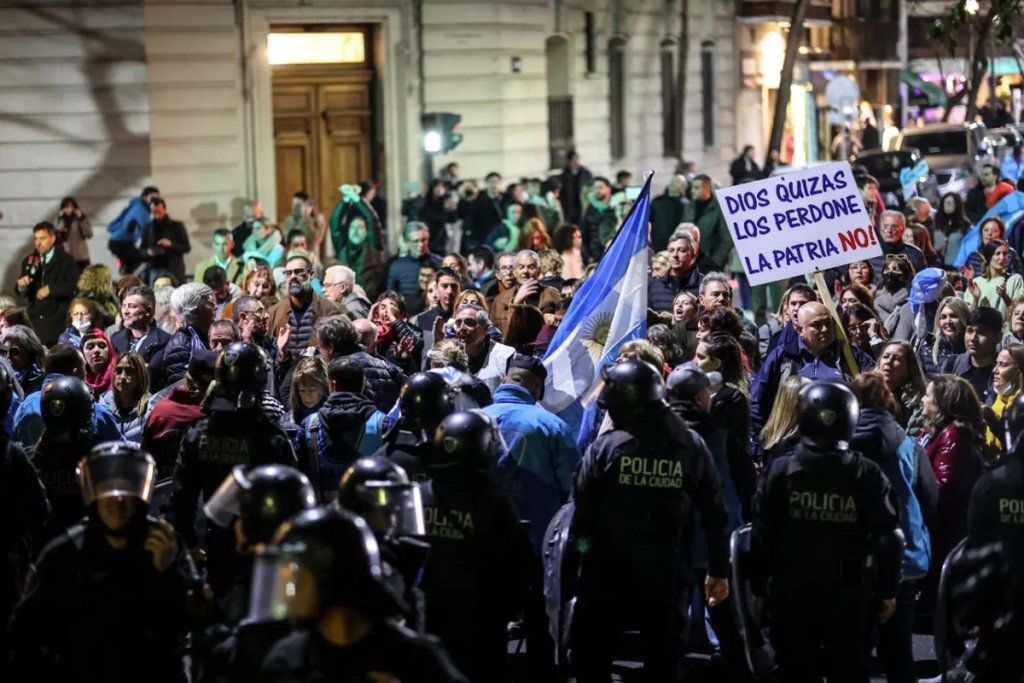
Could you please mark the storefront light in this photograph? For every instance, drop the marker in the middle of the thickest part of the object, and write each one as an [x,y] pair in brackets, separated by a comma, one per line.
[773,54]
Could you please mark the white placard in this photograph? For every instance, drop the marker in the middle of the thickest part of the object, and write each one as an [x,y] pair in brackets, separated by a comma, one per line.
[793,224]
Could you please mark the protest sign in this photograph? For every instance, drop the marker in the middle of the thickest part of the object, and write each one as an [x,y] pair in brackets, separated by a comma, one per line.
[793,224]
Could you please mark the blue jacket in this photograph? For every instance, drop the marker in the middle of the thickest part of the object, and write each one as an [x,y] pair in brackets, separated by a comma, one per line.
[537,470]
[127,227]
[28,421]
[791,357]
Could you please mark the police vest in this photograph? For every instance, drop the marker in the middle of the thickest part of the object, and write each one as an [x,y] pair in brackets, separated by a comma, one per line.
[329,459]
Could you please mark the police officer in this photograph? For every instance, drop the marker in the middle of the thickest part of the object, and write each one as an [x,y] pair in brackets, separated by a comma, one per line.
[636,492]
[23,507]
[379,491]
[253,504]
[480,556]
[826,544]
[236,431]
[107,599]
[326,570]
[425,400]
[66,405]
[996,515]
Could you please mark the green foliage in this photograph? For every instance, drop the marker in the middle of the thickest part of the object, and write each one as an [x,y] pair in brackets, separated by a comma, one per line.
[991,16]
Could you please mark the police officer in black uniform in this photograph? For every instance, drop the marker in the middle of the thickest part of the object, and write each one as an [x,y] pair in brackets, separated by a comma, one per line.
[826,544]
[425,400]
[23,508]
[66,405]
[326,571]
[379,491]
[107,601]
[236,431]
[480,559]
[636,493]
[253,504]
[996,515]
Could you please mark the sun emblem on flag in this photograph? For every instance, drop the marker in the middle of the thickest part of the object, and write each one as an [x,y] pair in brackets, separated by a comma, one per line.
[595,333]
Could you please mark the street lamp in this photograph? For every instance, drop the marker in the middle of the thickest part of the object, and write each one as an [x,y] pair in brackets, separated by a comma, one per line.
[971,6]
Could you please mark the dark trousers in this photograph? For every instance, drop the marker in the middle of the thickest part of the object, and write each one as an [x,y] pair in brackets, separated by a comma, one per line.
[540,648]
[726,628]
[654,602]
[896,637]
[819,634]
[127,253]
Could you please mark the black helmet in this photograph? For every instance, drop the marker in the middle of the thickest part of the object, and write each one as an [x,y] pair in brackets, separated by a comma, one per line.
[117,469]
[426,399]
[468,439]
[1013,418]
[241,374]
[66,406]
[6,388]
[629,388]
[686,381]
[321,557]
[379,491]
[263,498]
[827,414]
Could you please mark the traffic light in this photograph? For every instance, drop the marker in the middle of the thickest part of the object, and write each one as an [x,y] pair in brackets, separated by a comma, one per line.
[440,134]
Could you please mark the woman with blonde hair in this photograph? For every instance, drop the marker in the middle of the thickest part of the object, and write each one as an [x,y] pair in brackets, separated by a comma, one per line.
[780,431]
[128,397]
[310,388]
[947,336]
[534,235]
[96,283]
[641,349]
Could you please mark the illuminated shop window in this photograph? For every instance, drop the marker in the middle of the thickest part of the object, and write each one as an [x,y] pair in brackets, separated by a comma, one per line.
[316,48]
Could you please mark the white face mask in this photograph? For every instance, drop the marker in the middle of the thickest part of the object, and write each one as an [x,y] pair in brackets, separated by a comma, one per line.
[1005,389]
[81,325]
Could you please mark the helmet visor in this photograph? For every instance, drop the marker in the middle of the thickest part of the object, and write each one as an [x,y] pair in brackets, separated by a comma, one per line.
[283,588]
[223,506]
[393,508]
[110,476]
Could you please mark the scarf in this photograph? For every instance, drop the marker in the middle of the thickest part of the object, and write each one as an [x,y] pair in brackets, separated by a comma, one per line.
[100,381]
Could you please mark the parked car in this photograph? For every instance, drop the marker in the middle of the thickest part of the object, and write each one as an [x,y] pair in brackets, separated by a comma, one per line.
[952,151]
[885,167]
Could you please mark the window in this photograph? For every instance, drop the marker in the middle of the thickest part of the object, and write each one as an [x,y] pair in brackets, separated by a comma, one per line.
[707,86]
[316,48]
[560,110]
[669,101]
[589,48]
[616,96]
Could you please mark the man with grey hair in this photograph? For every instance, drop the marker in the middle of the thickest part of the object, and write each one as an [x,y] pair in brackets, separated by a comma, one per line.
[716,292]
[528,291]
[705,263]
[194,306]
[139,333]
[340,287]
[891,225]
[488,359]
[682,275]
[367,334]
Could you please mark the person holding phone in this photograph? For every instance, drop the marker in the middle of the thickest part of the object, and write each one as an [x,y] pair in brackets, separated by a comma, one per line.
[528,291]
[74,231]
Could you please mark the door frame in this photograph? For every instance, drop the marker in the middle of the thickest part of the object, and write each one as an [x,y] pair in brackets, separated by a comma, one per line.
[398,116]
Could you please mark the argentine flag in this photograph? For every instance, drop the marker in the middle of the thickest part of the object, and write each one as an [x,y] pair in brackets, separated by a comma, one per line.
[1010,208]
[609,310]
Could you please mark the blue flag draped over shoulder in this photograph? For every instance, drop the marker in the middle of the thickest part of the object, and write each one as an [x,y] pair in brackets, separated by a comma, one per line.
[609,310]
[1010,208]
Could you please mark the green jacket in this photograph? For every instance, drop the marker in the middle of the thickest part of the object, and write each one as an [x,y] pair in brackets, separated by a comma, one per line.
[714,233]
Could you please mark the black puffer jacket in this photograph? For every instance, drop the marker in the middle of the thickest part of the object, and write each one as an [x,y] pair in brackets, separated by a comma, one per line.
[177,355]
[383,379]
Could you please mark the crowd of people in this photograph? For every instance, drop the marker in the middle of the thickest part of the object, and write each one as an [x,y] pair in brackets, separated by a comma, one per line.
[312,453]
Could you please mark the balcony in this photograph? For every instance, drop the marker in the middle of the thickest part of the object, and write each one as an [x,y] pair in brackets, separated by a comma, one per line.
[865,41]
[768,11]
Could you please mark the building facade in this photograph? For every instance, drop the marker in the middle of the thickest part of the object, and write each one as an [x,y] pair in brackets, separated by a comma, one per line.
[99,98]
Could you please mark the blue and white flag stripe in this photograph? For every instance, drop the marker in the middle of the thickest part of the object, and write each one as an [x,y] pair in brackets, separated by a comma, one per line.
[609,310]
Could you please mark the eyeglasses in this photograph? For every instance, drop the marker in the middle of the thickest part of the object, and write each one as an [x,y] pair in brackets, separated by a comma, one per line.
[297,272]
[10,351]
[506,267]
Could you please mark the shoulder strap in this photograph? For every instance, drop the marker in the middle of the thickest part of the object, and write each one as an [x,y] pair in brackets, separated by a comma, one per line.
[313,437]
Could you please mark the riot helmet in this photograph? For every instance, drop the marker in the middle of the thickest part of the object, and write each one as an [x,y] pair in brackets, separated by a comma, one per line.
[1013,418]
[66,405]
[241,374]
[6,388]
[262,498]
[426,399]
[468,440]
[827,415]
[124,473]
[380,492]
[630,388]
[321,558]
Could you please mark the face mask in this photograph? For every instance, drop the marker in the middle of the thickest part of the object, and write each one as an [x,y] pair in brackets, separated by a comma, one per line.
[1004,389]
[81,325]
[893,281]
